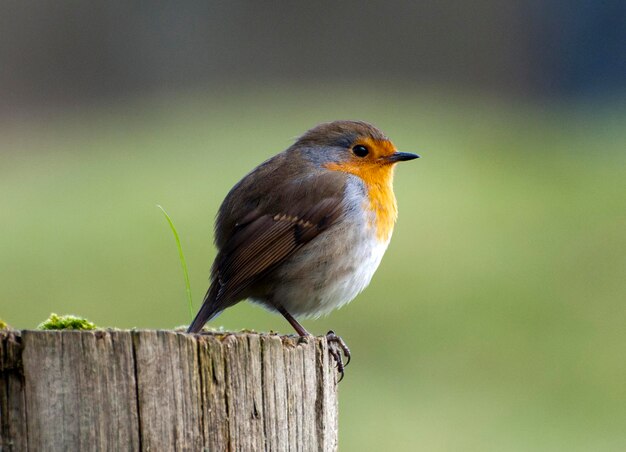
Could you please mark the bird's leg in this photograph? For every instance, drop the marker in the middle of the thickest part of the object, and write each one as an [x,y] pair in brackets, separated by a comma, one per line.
[294,323]
[336,345]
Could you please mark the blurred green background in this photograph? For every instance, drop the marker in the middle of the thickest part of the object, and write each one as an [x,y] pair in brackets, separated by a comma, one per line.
[497,318]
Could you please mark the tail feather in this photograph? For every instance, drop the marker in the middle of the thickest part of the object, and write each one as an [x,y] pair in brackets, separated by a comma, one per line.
[210,308]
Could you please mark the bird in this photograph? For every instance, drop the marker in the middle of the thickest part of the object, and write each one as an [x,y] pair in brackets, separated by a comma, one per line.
[303,233]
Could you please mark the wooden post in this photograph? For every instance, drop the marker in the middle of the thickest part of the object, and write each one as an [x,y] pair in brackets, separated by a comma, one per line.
[162,390]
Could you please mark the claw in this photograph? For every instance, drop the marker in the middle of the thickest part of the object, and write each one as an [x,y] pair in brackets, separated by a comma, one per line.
[335,345]
[337,357]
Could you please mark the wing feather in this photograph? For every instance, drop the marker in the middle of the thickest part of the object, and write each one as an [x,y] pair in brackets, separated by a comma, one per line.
[268,241]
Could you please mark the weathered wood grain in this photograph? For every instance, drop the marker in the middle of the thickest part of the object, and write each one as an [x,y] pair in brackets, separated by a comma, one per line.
[168,387]
[12,402]
[79,389]
[164,390]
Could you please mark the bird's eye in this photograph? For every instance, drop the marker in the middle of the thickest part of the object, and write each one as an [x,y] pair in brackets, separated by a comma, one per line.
[360,150]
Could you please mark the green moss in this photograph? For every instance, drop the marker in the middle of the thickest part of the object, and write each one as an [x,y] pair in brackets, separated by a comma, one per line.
[66,322]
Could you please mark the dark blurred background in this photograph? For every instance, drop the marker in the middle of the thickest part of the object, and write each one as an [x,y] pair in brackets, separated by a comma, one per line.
[496,320]
[75,51]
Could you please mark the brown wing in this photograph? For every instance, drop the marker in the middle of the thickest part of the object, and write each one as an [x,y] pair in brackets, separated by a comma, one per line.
[264,237]
[257,248]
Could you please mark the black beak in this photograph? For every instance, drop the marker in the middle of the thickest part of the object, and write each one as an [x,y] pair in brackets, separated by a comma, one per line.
[401,157]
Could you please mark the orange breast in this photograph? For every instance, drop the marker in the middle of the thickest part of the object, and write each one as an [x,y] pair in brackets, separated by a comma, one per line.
[381,201]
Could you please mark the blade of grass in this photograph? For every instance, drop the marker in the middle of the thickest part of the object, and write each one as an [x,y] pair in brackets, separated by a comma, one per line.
[183,263]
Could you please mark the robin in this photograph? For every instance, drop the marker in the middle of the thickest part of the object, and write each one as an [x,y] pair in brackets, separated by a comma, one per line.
[303,233]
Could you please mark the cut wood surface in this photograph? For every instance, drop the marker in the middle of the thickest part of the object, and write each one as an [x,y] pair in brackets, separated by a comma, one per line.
[163,390]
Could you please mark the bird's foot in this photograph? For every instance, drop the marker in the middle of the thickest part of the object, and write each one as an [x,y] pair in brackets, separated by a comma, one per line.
[337,346]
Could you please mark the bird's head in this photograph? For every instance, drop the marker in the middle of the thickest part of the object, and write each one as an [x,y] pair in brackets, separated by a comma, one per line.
[353,147]
[359,149]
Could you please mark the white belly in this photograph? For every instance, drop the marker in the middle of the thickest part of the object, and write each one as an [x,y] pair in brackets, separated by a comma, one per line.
[326,274]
